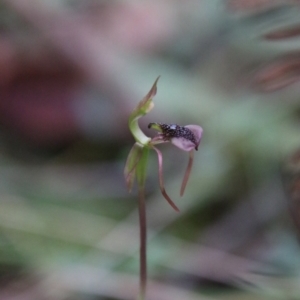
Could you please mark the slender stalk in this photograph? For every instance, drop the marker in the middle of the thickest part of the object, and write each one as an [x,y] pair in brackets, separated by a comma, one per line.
[141,179]
[143,244]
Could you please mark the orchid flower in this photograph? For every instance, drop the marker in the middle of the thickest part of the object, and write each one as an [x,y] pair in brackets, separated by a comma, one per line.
[186,138]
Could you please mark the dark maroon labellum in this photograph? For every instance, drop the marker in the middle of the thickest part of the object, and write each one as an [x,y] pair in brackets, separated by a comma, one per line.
[176,131]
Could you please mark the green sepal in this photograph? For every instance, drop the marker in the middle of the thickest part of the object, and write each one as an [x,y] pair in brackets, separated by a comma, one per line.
[141,169]
[143,107]
[132,161]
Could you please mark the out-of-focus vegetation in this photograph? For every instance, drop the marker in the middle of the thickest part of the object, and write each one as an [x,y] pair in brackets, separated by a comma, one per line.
[70,73]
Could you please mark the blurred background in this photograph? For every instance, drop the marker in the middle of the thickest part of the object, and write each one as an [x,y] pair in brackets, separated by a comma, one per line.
[70,73]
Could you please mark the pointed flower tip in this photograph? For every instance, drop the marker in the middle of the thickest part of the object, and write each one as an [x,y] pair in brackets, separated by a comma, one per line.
[169,200]
[153,90]
[146,104]
[142,108]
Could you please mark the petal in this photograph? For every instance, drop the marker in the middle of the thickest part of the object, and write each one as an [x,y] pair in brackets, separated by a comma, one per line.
[183,144]
[187,172]
[161,180]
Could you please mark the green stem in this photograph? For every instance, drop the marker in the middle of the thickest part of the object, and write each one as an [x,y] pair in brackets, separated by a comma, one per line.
[141,179]
[143,244]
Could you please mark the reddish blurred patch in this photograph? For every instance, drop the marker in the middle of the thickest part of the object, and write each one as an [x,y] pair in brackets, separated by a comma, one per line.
[36,89]
[278,75]
[281,34]
[38,110]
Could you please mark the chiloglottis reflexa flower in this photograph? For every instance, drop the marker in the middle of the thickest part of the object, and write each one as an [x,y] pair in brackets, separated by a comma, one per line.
[186,138]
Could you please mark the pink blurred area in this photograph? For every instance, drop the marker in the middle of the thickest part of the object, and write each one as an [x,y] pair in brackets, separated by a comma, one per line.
[47,62]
